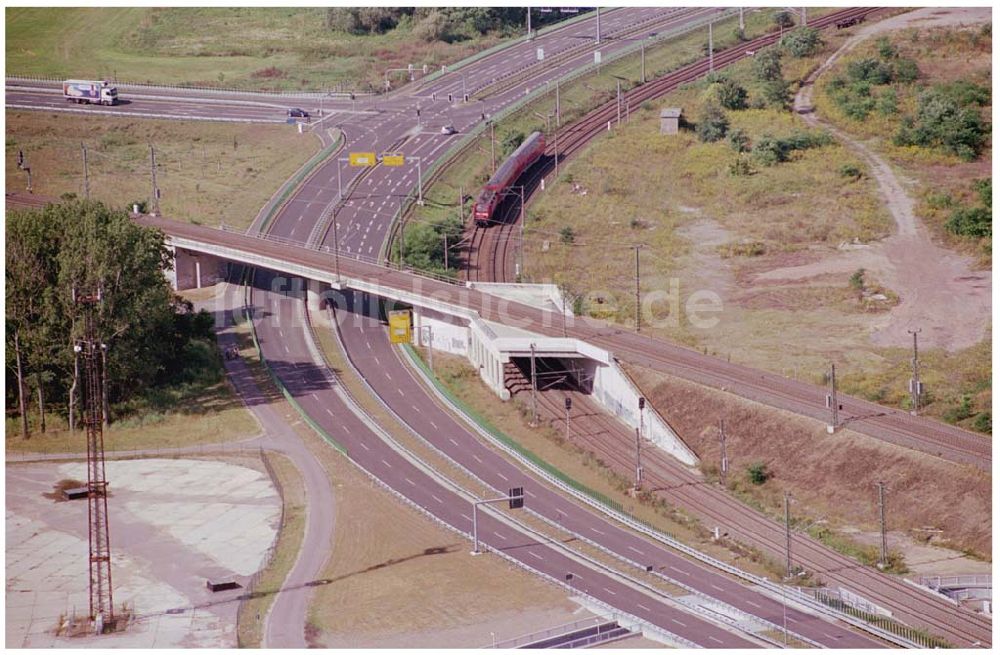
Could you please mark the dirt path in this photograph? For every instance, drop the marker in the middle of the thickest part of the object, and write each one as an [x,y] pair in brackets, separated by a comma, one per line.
[936,286]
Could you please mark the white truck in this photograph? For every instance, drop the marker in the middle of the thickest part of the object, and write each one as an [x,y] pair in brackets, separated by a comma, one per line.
[100,92]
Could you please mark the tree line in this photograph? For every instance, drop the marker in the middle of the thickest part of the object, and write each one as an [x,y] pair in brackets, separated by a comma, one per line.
[435,23]
[79,247]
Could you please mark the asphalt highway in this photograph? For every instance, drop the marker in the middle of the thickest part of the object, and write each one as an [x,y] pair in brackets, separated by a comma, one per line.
[366,341]
[281,325]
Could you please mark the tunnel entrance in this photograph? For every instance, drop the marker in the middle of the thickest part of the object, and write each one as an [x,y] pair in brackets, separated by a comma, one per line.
[551,374]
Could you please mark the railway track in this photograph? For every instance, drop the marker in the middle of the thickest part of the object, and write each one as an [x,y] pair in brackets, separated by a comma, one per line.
[593,429]
[884,423]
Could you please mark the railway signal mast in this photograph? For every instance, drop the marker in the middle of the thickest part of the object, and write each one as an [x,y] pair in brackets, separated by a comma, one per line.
[916,386]
[99,558]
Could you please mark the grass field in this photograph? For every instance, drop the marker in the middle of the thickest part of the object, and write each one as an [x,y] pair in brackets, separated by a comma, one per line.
[235,47]
[943,55]
[576,98]
[207,173]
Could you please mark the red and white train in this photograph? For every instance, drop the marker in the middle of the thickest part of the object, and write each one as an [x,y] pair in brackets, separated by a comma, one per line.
[508,172]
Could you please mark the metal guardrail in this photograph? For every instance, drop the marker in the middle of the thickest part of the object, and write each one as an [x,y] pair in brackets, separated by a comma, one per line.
[939,582]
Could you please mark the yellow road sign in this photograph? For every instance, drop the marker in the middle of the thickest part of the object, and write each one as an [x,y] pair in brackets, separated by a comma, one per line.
[399,326]
[362,159]
[393,160]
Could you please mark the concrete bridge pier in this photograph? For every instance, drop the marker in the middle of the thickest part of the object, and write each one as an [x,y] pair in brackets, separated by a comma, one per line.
[194,270]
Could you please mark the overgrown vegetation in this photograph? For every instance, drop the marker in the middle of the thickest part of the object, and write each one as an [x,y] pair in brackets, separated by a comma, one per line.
[158,350]
[977,221]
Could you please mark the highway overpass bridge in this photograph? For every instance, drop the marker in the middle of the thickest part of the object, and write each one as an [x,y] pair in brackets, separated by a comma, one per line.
[491,330]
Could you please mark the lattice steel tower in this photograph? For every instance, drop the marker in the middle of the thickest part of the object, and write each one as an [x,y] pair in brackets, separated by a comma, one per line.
[101,602]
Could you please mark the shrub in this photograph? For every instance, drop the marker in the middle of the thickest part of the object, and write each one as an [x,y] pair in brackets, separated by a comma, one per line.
[567,235]
[941,122]
[757,473]
[803,42]
[961,411]
[740,167]
[713,124]
[857,280]
[885,48]
[975,222]
[906,71]
[731,95]
[870,70]
[984,188]
[851,171]
[770,150]
[767,65]
[783,19]
[739,140]
[511,141]
[983,422]
[965,93]
[776,93]
[887,104]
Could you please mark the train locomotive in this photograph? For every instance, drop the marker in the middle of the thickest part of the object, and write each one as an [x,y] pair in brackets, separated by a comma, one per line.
[508,172]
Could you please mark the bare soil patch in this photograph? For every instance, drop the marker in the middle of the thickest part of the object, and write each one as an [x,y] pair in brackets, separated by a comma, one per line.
[824,472]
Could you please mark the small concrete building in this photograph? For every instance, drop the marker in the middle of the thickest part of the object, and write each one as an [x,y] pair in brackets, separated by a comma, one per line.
[670,119]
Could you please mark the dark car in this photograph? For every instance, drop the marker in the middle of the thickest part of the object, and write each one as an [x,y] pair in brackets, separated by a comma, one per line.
[295,112]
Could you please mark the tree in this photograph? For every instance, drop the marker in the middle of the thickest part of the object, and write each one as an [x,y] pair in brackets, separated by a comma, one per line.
[767,65]
[803,42]
[776,93]
[783,19]
[86,246]
[713,124]
[941,122]
[730,94]
[739,140]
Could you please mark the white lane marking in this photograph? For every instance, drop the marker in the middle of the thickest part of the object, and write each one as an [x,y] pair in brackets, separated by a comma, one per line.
[829,635]
[400,391]
[679,571]
[364,446]
[750,602]
[636,550]
[433,425]
[528,493]
[644,607]
[791,619]
[418,409]
[377,363]
[680,623]
[534,555]
[453,441]
[718,641]
[610,592]
[387,463]
[437,499]
[315,397]
[476,457]
[328,411]
[412,483]
[505,479]
[500,535]
[717,588]
[596,530]
[466,517]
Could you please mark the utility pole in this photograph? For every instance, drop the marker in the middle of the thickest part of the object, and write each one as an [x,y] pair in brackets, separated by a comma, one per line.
[529,23]
[598,24]
[884,555]
[724,458]
[156,189]
[831,400]
[915,385]
[336,246]
[642,50]
[555,147]
[86,173]
[534,389]
[788,540]
[743,25]
[558,115]
[461,205]
[711,53]
[637,303]
[618,102]
[804,22]
[493,148]
[402,236]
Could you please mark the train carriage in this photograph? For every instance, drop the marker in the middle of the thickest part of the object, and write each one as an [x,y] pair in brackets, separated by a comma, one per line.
[526,154]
